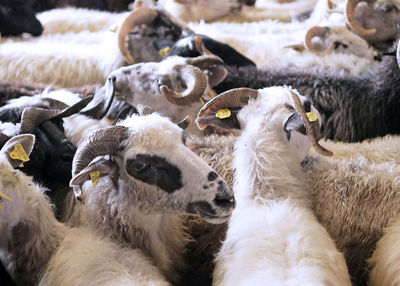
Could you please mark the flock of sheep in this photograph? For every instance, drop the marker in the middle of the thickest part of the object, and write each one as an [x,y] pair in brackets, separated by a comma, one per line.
[199,160]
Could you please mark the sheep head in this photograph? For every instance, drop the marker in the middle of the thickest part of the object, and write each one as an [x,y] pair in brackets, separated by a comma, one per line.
[144,162]
[374,20]
[17,17]
[172,87]
[338,39]
[279,107]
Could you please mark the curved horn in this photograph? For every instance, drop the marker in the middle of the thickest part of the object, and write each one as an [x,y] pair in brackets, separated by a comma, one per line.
[309,126]
[102,142]
[320,32]
[139,16]
[351,21]
[196,81]
[185,122]
[34,116]
[236,97]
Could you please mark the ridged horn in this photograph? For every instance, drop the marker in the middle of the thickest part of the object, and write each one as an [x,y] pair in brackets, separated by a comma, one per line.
[205,61]
[139,16]
[317,31]
[185,122]
[198,41]
[236,97]
[34,116]
[312,128]
[351,21]
[196,82]
[105,141]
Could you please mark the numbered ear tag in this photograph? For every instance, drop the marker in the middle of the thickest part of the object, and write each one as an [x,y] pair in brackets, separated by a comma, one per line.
[94,177]
[312,116]
[19,154]
[223,113]
[164,52]
[2,195]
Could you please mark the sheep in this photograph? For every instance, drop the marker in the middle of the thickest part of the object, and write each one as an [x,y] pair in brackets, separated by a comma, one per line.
[189,10]
[352,108]
[17,17]
[355,200]
[154,34]
[376,21]
[173,87]
[384,261]
[270,188]
[144,172]
[36,249]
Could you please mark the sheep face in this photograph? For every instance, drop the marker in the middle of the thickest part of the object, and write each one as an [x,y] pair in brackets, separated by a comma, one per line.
[339,39]
[140,84]
[17,17]
[382,15]
[277,111]
[154,172]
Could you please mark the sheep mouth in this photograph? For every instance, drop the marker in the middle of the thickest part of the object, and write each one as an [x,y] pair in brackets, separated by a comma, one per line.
[207,212]
[213,218]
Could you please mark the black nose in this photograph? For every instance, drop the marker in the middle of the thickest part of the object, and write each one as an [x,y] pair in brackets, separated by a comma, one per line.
[224,198]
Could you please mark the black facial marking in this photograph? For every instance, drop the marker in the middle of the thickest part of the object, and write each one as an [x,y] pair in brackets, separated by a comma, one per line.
[127,71]
[212,176]
[205,187]
[155,170]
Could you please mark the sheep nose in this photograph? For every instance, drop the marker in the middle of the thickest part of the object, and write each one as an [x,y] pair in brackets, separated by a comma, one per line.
[224,198]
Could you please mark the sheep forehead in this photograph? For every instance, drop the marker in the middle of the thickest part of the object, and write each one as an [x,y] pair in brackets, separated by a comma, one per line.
[170,63]
[152,131]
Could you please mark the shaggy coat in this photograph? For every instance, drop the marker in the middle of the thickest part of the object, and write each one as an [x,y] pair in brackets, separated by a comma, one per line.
[270,189]
[352,108]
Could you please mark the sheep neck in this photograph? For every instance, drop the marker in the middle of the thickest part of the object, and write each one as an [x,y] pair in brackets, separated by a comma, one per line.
[160,236]
[266,170]
[35,234]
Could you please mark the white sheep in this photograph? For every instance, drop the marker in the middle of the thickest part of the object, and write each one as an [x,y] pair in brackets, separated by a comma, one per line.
[36,249]
[273,236]
[146,178]
[384,262]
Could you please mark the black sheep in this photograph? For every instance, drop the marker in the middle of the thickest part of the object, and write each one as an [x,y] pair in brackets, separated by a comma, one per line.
[17,17]
[352,108]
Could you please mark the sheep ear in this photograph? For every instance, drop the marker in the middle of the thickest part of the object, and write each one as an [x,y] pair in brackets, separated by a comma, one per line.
[99,167]
[294,123]
[18,149]
[297,47]
[216,74]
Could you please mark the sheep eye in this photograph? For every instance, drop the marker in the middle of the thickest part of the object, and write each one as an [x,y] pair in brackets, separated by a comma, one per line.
[140,166]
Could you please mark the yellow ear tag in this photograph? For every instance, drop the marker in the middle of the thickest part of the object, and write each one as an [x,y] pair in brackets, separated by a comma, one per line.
[2,195]
[114,28]
[94,177]
[164,52]
[223,113]
[19,154]
[312,116]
